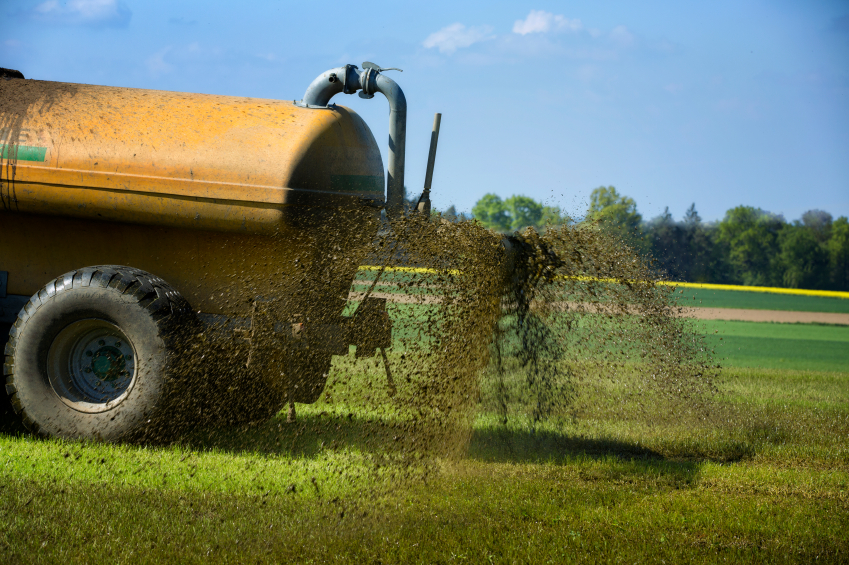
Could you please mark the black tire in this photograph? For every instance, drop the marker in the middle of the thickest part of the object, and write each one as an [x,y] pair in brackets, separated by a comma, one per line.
[95,353]
[10,423]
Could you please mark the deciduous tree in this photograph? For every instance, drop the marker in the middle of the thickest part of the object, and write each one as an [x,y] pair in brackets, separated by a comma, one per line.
[613,210]
[838,253]
[515,213]
[492,213]
[750,239]
[802,259]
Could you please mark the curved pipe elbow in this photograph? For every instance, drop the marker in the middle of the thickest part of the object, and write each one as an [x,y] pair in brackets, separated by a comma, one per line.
[349,79]
[324,87]
[393,93]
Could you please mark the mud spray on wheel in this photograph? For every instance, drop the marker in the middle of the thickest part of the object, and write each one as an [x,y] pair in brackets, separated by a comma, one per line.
[188,287]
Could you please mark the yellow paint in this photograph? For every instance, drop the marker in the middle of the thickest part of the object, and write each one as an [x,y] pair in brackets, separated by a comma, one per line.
[177,159]
[771,289]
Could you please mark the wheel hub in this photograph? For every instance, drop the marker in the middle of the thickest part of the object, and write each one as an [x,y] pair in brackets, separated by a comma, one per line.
[107,363]
[91,365]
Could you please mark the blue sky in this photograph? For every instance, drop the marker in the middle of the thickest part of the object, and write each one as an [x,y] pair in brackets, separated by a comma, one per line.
[718,103]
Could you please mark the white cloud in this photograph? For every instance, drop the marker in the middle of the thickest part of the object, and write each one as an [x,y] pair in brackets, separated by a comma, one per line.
[456,36]
[156,63]
[539,21]
[84,12]
[621,35]
[48,7]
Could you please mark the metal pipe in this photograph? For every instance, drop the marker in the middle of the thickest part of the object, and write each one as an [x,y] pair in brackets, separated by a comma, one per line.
[349,79]
[323,88]
[397,142]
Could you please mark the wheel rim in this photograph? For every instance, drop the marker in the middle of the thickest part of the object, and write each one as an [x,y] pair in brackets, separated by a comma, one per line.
[91,365]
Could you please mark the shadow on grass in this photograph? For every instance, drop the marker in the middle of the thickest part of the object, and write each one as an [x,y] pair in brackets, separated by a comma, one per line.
[500,445]
[503,445]
[593,459]
[309,436]
[317,434]
[313,435]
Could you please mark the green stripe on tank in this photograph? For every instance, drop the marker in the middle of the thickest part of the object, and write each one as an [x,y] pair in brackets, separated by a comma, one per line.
[356,183]
[24,152]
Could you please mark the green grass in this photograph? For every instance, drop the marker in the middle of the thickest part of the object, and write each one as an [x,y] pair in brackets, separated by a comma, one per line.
[758,473]
[817,347]
[706,298]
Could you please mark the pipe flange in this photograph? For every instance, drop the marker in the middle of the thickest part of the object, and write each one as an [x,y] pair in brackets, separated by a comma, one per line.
[367,82]
[345,88]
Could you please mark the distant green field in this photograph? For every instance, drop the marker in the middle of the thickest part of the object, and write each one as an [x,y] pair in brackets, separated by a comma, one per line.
[709,298]
[814,347]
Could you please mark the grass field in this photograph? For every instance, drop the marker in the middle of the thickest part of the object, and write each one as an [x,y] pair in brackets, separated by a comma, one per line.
[816,347]
[759,473]
[709,298]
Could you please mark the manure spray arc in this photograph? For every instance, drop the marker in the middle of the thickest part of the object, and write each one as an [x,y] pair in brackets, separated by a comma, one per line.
[142,228]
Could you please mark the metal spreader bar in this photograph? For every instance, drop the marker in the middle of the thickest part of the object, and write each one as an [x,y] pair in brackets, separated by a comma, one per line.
[424,201]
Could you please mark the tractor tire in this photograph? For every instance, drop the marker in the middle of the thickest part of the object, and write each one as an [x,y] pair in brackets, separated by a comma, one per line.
[96,353]
[10,423]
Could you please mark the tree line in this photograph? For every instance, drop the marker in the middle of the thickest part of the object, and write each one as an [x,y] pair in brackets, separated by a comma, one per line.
[749,246]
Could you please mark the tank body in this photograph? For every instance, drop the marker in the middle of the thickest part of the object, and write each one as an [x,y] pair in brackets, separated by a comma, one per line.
[226,198]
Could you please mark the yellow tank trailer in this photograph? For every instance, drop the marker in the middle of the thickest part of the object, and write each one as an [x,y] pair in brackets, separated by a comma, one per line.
[136,224]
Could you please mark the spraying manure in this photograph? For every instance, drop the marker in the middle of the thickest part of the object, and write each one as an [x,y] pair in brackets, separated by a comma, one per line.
[489,332]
